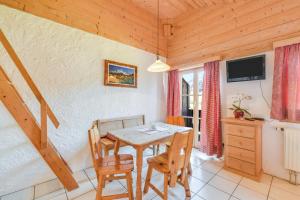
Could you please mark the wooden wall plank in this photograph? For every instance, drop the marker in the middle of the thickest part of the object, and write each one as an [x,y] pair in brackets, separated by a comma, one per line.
[249,28]
[122,21]
[286,42]
[217,27]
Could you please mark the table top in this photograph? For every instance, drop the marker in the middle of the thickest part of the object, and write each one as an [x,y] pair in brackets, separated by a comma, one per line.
[146,134]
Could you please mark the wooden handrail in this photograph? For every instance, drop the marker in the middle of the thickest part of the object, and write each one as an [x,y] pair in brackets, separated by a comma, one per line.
[27,77]
[44,128]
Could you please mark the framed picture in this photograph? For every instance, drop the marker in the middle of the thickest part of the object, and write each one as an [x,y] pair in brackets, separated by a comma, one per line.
[120,74]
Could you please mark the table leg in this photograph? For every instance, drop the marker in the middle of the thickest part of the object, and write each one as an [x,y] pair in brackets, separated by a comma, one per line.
[139,166]
[117,147]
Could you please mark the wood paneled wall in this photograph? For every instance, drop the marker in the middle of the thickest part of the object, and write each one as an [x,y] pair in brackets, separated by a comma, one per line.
[119,20]
[232,30]
[240,29]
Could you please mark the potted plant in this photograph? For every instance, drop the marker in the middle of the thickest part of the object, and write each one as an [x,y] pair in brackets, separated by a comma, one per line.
[237,108]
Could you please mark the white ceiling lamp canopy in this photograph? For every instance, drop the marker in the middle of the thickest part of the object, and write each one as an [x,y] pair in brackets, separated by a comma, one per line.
[158,65]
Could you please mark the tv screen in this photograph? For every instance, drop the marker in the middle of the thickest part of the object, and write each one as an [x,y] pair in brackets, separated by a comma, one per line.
[246,69]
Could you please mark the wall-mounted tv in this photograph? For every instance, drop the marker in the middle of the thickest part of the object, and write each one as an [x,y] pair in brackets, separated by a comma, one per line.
[246,69]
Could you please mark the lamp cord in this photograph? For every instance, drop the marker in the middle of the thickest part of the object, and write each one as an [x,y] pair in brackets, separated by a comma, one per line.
[157,53]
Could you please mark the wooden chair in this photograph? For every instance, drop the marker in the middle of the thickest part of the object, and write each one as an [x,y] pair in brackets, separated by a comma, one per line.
[179,121]
[175,120]
[170,163]
[108,166]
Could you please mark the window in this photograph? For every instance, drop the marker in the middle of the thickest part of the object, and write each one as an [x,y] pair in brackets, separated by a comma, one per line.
[191,98]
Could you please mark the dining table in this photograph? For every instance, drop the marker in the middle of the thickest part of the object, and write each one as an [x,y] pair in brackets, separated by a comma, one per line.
[142,137]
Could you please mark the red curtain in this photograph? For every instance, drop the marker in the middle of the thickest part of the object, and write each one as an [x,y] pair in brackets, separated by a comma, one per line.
[286,84]
[211,136]
[173,101]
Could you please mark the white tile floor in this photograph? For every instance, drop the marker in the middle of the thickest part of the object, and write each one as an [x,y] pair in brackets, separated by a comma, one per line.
[208,182]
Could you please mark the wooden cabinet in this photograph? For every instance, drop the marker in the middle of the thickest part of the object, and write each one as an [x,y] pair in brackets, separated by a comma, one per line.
[243,147]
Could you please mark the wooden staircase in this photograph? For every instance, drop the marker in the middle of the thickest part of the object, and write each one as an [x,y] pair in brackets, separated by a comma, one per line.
[23,116]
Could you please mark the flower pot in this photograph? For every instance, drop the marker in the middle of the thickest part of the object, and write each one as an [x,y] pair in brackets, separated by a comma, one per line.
[238,114]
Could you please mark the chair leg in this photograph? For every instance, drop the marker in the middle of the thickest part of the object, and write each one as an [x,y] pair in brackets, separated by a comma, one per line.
[153,150]
[190,169]
[187,187]
[103,181]
[148,179]
[106,152]
[166,184]
[99,189]
[157,149]
[129,185]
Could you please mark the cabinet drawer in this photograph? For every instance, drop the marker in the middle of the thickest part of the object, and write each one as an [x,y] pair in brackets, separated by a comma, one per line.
[240,142]
[240,154]
[240,165]
[238,130]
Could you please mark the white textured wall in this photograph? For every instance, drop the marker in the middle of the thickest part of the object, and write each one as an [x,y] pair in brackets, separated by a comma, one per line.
[67,66]
[272,141]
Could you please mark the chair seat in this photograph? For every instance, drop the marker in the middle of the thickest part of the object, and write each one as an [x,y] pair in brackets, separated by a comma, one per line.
[160,162]
[109,142]
[121,163]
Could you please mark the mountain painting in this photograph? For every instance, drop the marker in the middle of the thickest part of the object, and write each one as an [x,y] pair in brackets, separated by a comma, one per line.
[120,75]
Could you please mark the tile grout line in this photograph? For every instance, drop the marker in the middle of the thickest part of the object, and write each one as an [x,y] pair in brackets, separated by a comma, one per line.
[270,188]
[89,178]
[18,190]
[85,192]
[208,182]
[66,194]
[236,188]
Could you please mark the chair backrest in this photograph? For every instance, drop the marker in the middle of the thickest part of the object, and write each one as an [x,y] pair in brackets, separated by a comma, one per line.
[95,145]
[179,154]
[175,120]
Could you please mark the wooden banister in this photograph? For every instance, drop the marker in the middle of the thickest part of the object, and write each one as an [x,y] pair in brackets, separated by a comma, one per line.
[38,134]
[44,128]
[27,77]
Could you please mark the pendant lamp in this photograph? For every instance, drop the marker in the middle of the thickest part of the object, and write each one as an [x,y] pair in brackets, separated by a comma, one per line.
[158,65]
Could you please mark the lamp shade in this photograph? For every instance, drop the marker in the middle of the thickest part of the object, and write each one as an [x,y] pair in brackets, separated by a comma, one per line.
[158,66]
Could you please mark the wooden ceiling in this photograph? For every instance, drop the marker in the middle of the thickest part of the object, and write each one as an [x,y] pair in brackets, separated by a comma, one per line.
[201,29]
[173,8]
